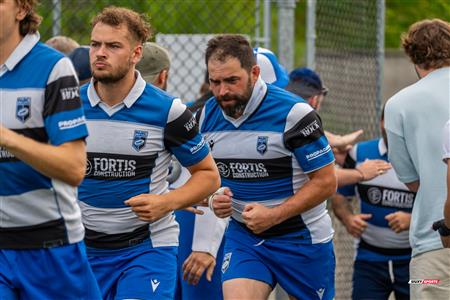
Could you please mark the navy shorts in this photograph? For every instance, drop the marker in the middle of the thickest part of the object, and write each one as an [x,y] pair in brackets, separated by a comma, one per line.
[376,280]
[138,272]
[303,270]
[52,273]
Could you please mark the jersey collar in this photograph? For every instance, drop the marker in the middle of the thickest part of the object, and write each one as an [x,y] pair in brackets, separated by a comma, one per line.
[259,91]
[130,99]
[22,49]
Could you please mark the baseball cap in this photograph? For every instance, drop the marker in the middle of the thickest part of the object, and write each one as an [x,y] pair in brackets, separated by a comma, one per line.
[305,83]
[154,59]
[80,60]
[271,71]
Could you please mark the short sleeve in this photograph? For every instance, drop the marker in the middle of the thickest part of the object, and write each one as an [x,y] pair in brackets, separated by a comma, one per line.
[63,113]
[304,136]
[181,136]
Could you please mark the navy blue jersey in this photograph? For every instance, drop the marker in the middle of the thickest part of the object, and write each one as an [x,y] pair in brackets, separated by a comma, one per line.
[380,196]
[129,151]
[266,154]
[44,105]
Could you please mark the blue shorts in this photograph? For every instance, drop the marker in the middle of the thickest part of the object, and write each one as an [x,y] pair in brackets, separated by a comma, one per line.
[204,289]
[304,271]
[51,273]
[138,272]
[374,280]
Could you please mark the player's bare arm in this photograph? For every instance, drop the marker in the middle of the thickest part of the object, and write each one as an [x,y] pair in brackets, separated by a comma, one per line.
[66,162]
[322,184]
[203,182]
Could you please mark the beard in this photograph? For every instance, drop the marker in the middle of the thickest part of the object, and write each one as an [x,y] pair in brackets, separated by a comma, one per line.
[236,109]
[113,76]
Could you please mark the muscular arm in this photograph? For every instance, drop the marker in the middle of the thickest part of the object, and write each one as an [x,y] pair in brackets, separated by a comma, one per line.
[322,184]
[66,162]
[204,181]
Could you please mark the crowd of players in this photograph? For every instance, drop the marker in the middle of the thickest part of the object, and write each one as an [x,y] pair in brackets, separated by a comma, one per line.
[91,176]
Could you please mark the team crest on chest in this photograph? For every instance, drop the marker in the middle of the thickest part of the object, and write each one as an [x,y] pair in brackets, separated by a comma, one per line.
[139,139]
[23,108]
[261,144]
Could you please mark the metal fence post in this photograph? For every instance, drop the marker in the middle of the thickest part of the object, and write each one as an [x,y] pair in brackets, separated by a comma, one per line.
[56,17]
[311,34]
[380,55]
[286,39]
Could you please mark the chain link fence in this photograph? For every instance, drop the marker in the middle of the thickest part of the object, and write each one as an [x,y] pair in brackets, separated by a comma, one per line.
[182,26]
[348,56]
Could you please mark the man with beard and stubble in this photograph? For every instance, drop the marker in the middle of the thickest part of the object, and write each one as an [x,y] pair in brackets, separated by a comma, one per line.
[277,167]
[131,232]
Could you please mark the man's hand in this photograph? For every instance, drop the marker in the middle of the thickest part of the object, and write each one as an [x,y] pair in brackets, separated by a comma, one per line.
[399,221]
[372,168]
[149,207]
[356,224]
[221,204]
[196,264]
[258,218]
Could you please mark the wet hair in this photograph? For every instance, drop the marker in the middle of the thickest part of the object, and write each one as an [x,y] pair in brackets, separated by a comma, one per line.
[427,43]
[223,47]
[137,24]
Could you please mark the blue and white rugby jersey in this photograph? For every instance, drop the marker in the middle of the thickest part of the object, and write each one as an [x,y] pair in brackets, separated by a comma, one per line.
[380,196]
[39,99]
[129,151]
[265,155]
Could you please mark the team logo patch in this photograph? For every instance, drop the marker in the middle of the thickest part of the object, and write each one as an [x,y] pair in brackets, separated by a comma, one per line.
[261,145]
[139,139]
[226,262]
[23,108]
[374,195]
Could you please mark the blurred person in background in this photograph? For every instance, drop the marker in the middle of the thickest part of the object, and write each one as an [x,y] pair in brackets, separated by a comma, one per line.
[382,261]
[413,120]
[62,43]
[80,61]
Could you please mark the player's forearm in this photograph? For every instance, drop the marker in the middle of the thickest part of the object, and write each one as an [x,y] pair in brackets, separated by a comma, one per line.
[204,181]
[348,176]
[341,207]
[313,193]
[66,162]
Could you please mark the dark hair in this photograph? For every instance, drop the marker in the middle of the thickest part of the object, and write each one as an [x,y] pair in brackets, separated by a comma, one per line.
[225,46]
[32,20]
[427,43]
[137,24]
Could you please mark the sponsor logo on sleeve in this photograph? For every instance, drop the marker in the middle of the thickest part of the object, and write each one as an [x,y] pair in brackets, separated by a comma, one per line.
[190,124]
[69,93]
[68,124]
[139,139]
[261,144]
[198,147]
[226,262]
[310,128]
[23,108]
[318,153]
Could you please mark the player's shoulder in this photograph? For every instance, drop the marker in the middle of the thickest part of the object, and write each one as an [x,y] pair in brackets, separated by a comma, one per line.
[368,150]
[43,54]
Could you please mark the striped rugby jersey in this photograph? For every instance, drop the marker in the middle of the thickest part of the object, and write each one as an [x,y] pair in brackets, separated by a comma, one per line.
[39,99]
[129,151]
[264,156]
[379,196]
